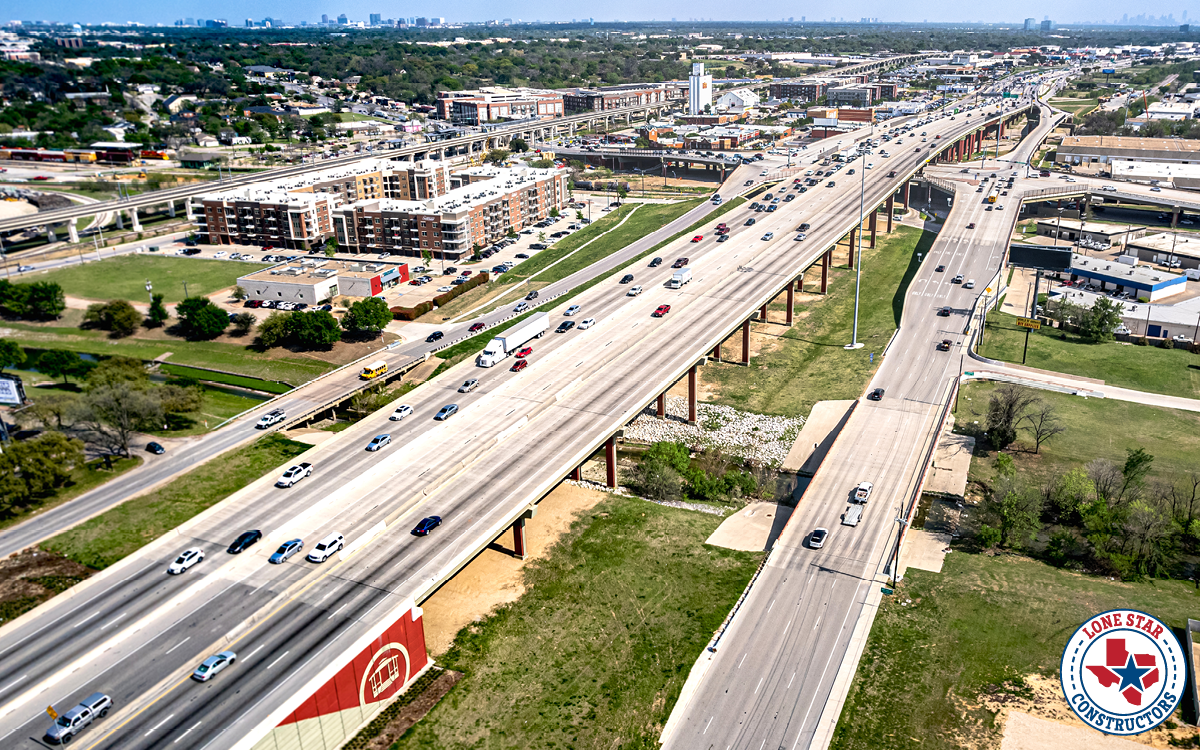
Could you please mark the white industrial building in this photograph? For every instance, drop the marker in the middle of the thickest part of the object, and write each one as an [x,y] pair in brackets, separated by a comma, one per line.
[700,90]
[738,100]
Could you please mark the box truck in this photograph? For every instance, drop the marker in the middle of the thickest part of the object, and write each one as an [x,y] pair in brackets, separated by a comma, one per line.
[514,338]
[679,278]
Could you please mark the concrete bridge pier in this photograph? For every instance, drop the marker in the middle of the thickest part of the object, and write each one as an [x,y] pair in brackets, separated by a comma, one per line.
[716,352]
[826,259]
[171,209]
[518,529]
[662,406]
[72,232]
[891,202]
[133,218]
[120,219]
[762,314]
[187,207]
[791,302]
[746,342]
[50,237]
[610,458]
[853,236]
[874,224]
[692,394]
[577,473]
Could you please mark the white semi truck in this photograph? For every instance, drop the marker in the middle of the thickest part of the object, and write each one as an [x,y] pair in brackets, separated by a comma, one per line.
[679,278]
[514,338]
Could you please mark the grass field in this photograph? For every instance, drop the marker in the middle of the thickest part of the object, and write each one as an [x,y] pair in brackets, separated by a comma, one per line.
[217,406]
[125,277]
[110,536]
[982,622]
[1170,435]
[807,363]
[595,652]
[83,479]
[1174,372]
[255,384]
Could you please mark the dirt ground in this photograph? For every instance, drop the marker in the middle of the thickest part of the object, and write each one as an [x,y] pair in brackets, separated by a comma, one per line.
[414,711]
[1055,727]
[495,577]
[31,577]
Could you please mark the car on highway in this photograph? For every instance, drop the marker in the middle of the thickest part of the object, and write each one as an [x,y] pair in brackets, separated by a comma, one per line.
[379,441]
[940,269]
[586,323]
[944,345]
[862,492]
[519,365]
[565,326]
[446,412]
[286,550]
[626,278]
[74,721]
[476,327]
[426,525]
[944,311]
[571,310]
[469,385]
[697,238]
[768,236]
[294,474]
[723,238]
[532,295]
[212,665]
[331,543]
[270,418]
[186,559]
[958,279]
[876,395]
[660,311]
[634,291]
[656,263]
[244,541]
[816,540]
[436,335]
[971,225]
[680,262]
[401,412]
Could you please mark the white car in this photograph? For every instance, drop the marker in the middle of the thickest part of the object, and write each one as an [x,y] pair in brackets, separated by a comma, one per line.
[294,474]
[444,289]
[400,413]
[586,323]
[870,165]
[212,665]
[186,559]
[634,291]
[572,310]
[801,237]
[220,254]
[862,492]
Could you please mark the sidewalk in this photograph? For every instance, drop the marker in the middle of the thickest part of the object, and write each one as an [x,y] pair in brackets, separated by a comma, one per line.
[1083,386]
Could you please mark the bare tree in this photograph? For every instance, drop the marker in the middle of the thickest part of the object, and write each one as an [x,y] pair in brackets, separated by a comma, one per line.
[1183,497]
[1042,423]
[1106,478]
[1006,408]
[111,414]
[1147,536]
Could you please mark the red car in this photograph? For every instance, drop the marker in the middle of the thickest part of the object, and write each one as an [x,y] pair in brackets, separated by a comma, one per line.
[465,273]
[679,263]
[268,247]
[476,327]
[796,181]
[697,238]
[661,311]
[519,365]
[523,353]
[40,177]
[416,282]
[722,225]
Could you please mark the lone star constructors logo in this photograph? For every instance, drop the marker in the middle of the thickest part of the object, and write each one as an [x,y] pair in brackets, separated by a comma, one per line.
[1123,672]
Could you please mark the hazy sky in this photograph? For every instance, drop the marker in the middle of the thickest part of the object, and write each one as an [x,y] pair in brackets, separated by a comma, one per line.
[236,12]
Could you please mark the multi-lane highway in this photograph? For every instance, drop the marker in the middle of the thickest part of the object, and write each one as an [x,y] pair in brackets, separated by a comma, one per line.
[135,633]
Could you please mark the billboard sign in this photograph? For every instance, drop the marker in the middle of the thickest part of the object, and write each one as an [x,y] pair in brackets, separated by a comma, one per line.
[12,390]
[1108,71]
[1040,257]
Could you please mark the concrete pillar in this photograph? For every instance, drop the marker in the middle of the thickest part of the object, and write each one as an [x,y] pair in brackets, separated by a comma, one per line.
[891,203]
[873,224]
[576,473]
[50,235]
[133,218]
[907,185]
[72,232]
[746,342]
[800,282]
[120,219]
[692,395]
[826,259]
[662,405]
[187,206]
[610,457]
[791,303]
[853,237]
[171,209]
[762,314]
[716,354]
[519,537]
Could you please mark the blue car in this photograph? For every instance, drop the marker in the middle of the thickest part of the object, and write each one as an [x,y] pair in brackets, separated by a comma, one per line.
[286,550]
[427,525]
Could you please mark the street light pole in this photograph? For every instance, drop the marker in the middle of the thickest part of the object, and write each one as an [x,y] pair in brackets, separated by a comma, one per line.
[150,291]
[862,190]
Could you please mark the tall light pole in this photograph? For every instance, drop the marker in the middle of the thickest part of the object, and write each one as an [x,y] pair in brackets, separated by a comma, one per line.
[862,191]
[150,291]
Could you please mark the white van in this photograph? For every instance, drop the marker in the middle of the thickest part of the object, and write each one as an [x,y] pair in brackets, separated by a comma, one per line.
[326,547]
[970,284]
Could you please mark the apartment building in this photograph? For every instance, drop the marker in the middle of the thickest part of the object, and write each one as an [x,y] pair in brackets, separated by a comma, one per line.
[582,100]
[493,103]
[295,212]
[490,203]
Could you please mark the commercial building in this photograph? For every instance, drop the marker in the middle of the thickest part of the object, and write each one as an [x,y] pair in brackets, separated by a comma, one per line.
[1181,176]
[316,280]
[737,100]
[700,90]
[491,203]
[493,103]
[1091,149]
[1072,230]
[580,100]
[1143,282]
[295,212]
[1166,247]
[1173,111]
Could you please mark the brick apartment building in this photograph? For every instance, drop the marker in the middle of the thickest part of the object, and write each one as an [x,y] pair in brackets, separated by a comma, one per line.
[582,100]
[493,103]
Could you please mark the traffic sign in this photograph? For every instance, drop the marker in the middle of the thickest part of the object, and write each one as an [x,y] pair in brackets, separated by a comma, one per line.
[886,591]
[988,290]
[50,710]
[1029,323]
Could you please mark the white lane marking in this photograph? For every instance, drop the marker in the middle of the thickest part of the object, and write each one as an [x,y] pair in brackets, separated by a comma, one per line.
[771,605]
[110,622]
[339,609]
[739,666]
[189,731]
[817,623]
[255,651]
[14,682]
[789,685]
[85,619]
[177,645]
[760,682]
[706,726]
[285,653]
[159,724]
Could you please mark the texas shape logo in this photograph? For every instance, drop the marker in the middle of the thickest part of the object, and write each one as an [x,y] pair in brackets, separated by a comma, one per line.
[1123,672]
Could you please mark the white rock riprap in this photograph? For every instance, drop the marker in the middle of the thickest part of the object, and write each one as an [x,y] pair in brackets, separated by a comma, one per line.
[759,437]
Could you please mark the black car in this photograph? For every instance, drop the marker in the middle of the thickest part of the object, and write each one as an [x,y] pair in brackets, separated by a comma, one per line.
[627,278]
[244,541]
[656,263]
[750,221]
[155,448]
[722,238]
[434,336]
[565,326]
[532,295]
[875,395]
[940,269]
[803,227]
[427,525]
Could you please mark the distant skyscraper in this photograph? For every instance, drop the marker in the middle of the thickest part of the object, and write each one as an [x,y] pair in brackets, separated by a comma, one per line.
[342,19]
[324,18]
[376,19]
[1031,24]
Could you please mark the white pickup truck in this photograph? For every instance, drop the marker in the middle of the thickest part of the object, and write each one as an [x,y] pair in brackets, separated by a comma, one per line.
[514,338]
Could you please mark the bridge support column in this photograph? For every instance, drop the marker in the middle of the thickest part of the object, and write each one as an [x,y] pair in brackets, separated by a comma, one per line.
[762,314]
[171,209]
[853,237]
[873,224]
[577,473]
[800,282]
[187,206]
[826,259]
[610,457]
[716,353]
[72,232]
[746,342]
[50,237]
[692,395]
[120,219]
[133,218]
[662,405]
[518,528]
[891,202]
[791,303]
[907,185]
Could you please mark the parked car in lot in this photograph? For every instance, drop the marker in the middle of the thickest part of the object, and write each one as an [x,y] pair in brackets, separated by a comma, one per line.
[286,550]
[401,412]
[186,560]
[155,448]
[446,412]
[244,541]
[427,525]
[379,441]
